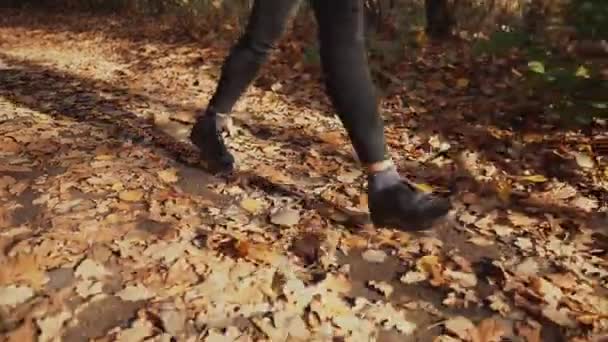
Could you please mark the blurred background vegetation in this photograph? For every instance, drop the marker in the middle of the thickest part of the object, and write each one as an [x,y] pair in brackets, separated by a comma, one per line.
[564,41]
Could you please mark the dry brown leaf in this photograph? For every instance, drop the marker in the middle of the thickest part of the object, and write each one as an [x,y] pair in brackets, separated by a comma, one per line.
[462,278]
[431,266]
[90,269]
[462,83]
[524,243]
[529,267]
[374,256]
[561,316]
[564,280]
[25,333]
[273,174]
[332,138]
[522,220]
[14,295]
[529,333]
[491,330]
[463,328]
[23,268]
[584,203]
[50,326]
[286,217]
[550,293]
[413,277]
[584,160]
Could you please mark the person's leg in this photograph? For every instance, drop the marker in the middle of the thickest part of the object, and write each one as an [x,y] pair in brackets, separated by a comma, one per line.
[266,24]
[349,85]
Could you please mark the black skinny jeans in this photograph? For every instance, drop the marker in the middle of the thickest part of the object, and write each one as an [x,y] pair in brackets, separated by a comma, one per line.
[343,55]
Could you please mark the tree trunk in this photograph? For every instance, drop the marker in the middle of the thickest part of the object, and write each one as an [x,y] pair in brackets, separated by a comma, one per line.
[439,20]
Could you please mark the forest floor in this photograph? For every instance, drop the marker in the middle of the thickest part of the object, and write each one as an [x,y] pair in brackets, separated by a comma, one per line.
[110,231]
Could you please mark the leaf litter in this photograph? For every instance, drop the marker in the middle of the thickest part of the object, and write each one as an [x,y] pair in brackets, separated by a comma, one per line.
[265,266]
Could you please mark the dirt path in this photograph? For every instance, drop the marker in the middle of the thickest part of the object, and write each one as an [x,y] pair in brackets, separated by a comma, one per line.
[106,236]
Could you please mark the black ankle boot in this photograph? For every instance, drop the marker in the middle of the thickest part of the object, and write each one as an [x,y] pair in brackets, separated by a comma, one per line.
[207,136]
[401,207]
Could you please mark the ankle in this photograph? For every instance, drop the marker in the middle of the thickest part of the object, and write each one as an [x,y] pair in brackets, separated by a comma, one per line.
[380,166]
[382,175]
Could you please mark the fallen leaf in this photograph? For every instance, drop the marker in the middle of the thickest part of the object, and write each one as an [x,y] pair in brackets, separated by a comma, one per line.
[445,338]
[26,332]
[174,321]
[436,85]
[86,288]
[491,330]
[50,327]
[527,268]
[584,203]
[550,293]
[529,333]
[349,177]
[252,205]
[131,195]
[463,328]
[25,268]
[374,256]
[286,217]
[462,278]
[522,220]
[14,295]
[584,160]
[533,178]
[498,303]
[384,288]
[138,332]
[537,67]
[425,188]
[430,265]
[168,176]
[566,281]
[90,269]
[524,243]
[560,317]
[462,83]
[307,247]
[413,277]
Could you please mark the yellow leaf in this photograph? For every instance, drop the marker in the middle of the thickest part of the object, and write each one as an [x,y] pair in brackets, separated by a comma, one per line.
[427,262]
[503,191]
[462,83]
[23,268]
[421,38]
[168,176]
[131,195]
[104,157]
[424,187]
[118,186]
[253,206]
[534,178]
